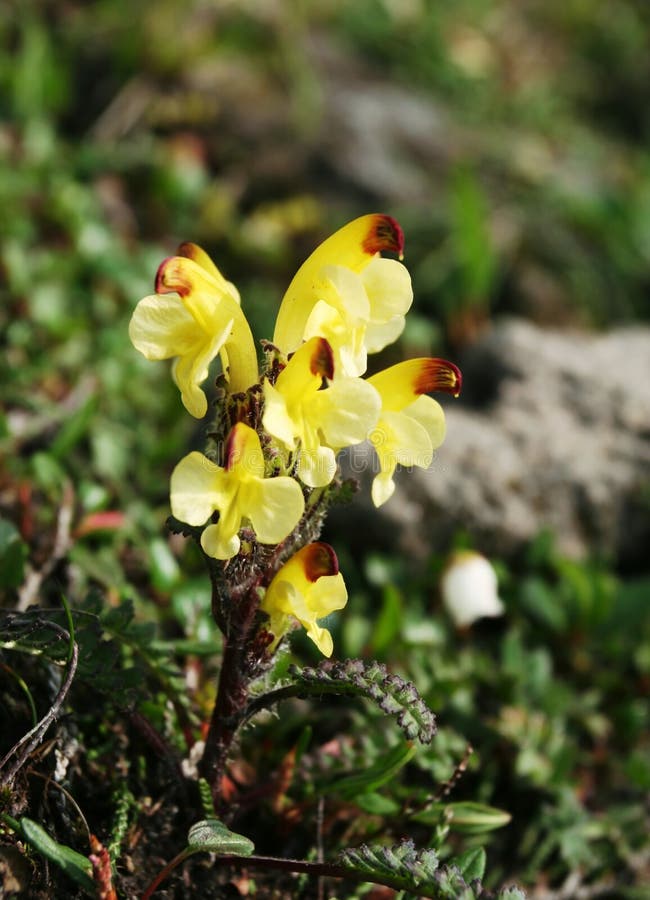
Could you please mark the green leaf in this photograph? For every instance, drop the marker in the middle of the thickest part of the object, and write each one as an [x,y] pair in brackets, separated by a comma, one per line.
[72,863]
[13,553]
[165,571]
[213,836]
[381,771]
[466,817]
[377,804]
[389,621]
[471,863]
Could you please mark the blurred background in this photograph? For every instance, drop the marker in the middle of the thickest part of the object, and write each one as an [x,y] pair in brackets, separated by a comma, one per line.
[511,139]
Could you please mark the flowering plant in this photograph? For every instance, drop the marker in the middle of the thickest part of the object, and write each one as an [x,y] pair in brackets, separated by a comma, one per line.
[257,497]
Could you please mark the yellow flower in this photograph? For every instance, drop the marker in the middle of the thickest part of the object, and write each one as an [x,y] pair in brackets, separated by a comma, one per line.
[346,293]
[307,588]
[299,411]
[411,425]
[204,320]
[239,491]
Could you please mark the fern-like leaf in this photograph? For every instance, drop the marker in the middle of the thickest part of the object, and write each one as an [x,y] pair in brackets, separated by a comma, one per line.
[419,871]
[393,695]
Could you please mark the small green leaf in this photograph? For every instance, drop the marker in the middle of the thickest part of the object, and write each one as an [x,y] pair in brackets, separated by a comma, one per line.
[382,770]
[213,836]
[72,863]
[164,568]
[471,863]
[465,817]
[13,553]
[389,621]
[377,804]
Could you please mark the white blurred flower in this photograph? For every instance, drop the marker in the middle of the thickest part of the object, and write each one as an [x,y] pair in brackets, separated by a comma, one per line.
[469,588]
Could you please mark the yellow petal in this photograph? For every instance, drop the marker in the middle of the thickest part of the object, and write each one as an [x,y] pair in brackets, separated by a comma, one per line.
[274,507]
[398,440]
[403,439]
[276,419]
[383,488]
[218,545]
[346,412]
[304,373]
[344,290]
[352,247]
[321,637]
[191,368]
[382,334]
[388,286]
[346,341]
[243,453]
[161,327]
[430,415]
[327,595]
[316,466]
[198,487]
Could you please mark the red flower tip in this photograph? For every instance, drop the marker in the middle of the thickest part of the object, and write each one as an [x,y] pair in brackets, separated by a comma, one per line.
[189,250]
[384,234]
[322,359]
[167,281]
[320,559]
[439,375]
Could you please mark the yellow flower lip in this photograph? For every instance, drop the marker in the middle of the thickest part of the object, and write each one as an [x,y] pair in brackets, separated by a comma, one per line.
[438,375]
[319,559]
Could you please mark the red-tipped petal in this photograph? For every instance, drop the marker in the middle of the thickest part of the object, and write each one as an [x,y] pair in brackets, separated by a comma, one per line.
[385,233]
[401,384]
[162,285]
[322,359]
[439,375]
[243,451]
[352,247]
[318,559]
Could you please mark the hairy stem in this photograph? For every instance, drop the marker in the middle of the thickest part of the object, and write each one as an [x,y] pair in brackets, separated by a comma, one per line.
[232,693]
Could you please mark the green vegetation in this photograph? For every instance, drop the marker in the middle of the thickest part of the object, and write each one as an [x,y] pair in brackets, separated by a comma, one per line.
[126,128]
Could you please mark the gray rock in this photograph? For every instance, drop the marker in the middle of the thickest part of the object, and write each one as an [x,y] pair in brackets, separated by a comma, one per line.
[552,432]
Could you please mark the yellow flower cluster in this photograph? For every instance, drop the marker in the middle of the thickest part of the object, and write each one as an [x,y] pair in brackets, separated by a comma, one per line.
[345,302]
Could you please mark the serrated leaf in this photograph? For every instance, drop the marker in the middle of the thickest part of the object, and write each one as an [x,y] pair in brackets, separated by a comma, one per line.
[212,836]
[405,867]
[68,860]
[393,695]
